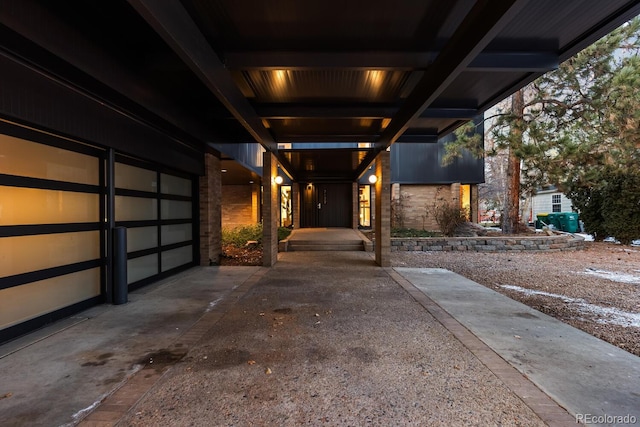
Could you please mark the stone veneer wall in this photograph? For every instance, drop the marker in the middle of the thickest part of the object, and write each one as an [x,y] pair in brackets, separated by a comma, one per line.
[489,244]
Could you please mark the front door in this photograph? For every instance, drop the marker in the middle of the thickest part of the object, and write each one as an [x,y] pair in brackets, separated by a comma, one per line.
[326,205]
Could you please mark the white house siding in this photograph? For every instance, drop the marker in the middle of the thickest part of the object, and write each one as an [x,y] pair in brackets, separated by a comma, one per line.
[542,203]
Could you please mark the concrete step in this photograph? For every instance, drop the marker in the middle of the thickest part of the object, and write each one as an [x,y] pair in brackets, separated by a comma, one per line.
[325,245]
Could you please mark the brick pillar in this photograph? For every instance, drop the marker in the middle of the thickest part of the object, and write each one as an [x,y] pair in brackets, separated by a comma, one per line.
[355,206]
[295,204]
[383,210]
[211,211]
[270,210]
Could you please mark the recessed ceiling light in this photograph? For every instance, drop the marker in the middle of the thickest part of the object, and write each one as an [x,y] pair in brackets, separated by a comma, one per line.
[224,170]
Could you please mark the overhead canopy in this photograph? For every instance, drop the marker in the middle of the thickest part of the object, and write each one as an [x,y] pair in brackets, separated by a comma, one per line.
[283,71]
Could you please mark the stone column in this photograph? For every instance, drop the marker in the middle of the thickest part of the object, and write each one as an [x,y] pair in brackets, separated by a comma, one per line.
[383,209]
[270,210]
[211,211]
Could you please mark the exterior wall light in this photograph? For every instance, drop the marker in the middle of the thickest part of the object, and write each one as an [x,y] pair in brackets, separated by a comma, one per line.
[278,180]
[373,179]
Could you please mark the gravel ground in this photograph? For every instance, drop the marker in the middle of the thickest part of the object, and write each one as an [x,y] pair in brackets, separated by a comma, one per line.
[596,289]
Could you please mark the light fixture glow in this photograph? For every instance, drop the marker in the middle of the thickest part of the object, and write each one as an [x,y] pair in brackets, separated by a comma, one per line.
[278,180]
[375,78]
[373,179]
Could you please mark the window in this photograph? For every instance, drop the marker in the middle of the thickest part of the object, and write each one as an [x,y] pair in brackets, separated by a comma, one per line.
[465,199]
[286,213]
[364,205]
[556,203]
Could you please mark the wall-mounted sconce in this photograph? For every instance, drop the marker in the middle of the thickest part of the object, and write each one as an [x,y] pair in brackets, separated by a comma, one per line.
[278,180]
[373,179]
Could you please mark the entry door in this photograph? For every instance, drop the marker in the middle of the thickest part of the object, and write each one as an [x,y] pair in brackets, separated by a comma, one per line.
[326,205]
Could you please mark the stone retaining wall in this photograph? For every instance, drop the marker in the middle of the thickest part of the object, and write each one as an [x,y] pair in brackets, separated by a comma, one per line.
[565,242]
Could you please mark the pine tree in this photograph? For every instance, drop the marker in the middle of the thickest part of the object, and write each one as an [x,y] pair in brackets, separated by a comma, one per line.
[578,128]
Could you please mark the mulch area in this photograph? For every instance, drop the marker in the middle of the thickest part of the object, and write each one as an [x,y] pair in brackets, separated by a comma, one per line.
[247,255]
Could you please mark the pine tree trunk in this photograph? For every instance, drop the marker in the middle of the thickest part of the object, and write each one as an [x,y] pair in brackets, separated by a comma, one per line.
[510,218]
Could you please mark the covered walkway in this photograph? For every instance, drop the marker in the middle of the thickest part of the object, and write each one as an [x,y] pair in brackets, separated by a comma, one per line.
[139,114]
[321,337]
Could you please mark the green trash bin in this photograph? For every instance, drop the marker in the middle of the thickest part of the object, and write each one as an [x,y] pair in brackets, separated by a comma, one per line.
[568,221]
[554,220]
[551,220]
[542,220]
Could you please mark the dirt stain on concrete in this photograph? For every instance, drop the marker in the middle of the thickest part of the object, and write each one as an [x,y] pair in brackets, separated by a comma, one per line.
[162,358]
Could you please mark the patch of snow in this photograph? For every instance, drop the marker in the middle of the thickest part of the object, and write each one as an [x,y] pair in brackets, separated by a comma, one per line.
[613,315]
[546,294]
[613,276]
[81,414]
[213,304]
[609,315]
[617,242]
[586,237]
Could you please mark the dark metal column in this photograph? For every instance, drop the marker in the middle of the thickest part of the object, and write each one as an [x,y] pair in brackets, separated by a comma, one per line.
[110,223]
[120,286]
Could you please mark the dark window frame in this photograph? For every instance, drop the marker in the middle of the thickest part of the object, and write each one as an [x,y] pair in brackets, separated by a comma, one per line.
[159,196]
